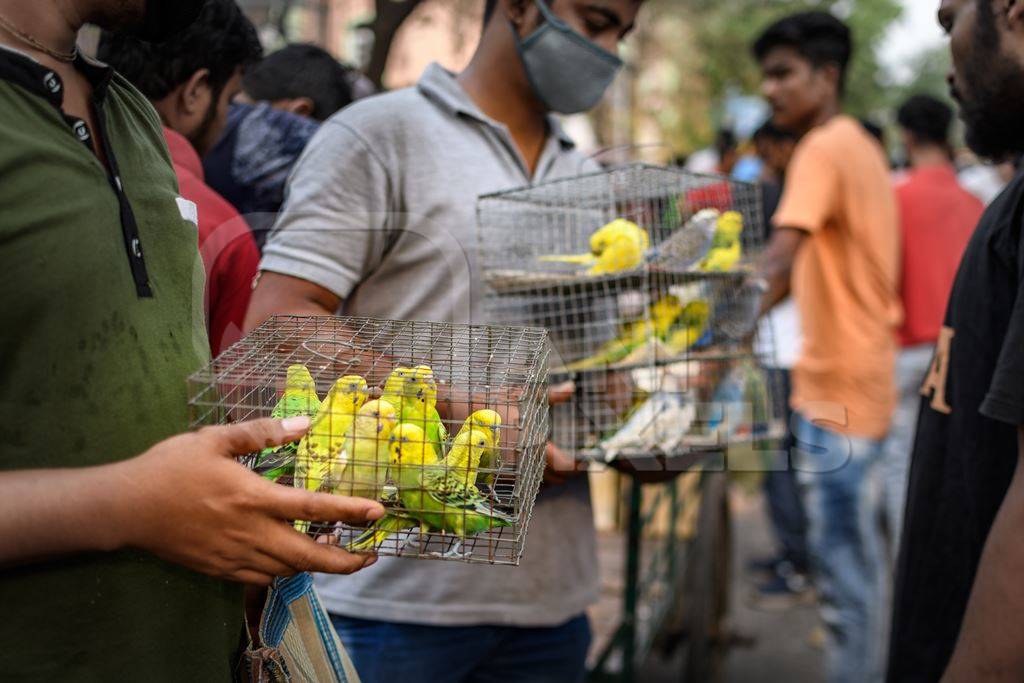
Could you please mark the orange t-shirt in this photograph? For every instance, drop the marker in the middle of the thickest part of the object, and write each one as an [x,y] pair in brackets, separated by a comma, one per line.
[845,278]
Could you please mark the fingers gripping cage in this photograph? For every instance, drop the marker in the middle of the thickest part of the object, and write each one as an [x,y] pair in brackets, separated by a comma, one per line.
[643,277]
[445,424]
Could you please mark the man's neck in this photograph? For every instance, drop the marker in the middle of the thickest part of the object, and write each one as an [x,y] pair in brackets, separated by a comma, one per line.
[928,157]
[822,116]
[53,23]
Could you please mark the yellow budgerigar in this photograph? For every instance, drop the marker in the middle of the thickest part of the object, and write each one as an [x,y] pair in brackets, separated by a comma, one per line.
[489,422]
[326,435]
[413,393]
[692,325]
[617,247]
[662,316]
[361,468]
[727,247]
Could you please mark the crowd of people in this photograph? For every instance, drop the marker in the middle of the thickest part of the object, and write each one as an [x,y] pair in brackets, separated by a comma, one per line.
[185,187]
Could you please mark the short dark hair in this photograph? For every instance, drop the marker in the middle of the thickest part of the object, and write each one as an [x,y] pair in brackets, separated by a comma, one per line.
[221,40]
[725,141]
[818,37]
[769,131]
[489,10]
[927,118]
[301,70]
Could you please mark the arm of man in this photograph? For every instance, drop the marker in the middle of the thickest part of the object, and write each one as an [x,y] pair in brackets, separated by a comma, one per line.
[991,643]
[333,229]
[187,501]
[808,202]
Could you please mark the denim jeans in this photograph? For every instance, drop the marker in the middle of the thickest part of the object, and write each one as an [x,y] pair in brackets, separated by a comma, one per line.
[386,652]
[911,368]
[837,476]
[782,495]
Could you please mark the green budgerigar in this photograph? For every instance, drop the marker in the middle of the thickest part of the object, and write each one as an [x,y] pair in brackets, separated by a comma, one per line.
[413,393]
[488,421]
[299,399]
[326,436]
[433,496]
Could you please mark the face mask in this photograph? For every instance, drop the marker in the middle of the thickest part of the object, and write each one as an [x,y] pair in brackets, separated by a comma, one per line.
[164,19]
[569,73]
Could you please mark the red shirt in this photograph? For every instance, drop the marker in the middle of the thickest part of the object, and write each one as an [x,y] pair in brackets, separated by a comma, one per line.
[226,244]
[937,217]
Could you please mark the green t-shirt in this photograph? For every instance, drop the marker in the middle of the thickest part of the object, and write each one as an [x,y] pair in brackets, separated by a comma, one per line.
[103,322]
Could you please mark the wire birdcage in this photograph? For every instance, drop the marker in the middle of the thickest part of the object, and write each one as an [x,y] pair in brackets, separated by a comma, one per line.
[643,277]
[445,424]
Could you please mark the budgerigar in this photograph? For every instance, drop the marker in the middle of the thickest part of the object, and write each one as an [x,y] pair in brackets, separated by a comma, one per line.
[490,460]
[690,327]
[727,247]
[326,435]
[434,497]
[413,393]
[361,468]
[299,399]
[464,457]
[617,247]
[662,316]
[661,423]
[689,244]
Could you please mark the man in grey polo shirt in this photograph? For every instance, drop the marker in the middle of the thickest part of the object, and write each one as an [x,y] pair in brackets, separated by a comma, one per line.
[380,221]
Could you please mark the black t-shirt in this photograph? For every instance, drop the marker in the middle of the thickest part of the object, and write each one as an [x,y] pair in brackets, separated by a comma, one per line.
[966,448]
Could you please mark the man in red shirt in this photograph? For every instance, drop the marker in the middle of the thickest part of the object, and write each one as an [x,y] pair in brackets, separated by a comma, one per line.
[937,217]
[191,79]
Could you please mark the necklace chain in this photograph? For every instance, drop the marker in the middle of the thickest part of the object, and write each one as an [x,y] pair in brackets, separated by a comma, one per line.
[31,40]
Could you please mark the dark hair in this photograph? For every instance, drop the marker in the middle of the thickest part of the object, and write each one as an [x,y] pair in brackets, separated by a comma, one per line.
[725,141]
[221,40]
[874,130]
[928,118]
[818,37]
[301,70]
[489,10]
[769,131]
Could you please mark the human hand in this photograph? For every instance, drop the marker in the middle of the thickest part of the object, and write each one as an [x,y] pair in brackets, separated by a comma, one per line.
[560,467]
[188,501]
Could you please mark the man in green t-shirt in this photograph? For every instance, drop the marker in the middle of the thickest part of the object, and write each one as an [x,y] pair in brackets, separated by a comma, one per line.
[115,567]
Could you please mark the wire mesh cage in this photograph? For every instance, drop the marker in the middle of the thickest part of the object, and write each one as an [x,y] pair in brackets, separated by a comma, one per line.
[445,424]
[643,277]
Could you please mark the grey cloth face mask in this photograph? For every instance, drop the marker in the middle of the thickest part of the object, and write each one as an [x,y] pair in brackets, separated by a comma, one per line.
[569,73]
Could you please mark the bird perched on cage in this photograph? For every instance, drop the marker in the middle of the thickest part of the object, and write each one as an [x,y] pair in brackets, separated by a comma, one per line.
[662,315]
[660,423]
[616,247]
[361,467]
[326,435]
[468,448]
[691,325]
[299,399]
[689,244]
[413,393]
[490,422]
[435,497]
[727,245]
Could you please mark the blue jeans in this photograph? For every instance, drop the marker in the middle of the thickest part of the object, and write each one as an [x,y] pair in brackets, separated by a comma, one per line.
[837,480]
[385,652]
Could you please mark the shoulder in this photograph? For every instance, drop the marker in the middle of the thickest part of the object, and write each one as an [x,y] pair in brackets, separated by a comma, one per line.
[380,118]
[138,112]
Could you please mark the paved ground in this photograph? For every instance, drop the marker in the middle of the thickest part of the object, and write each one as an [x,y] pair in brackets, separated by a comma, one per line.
[778,647]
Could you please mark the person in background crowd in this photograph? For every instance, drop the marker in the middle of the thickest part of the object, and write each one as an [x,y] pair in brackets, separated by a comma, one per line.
[380,221]
[965,507]
[191,80]
[937,217]
[114,567]
[283,100]
[728,149]
[299,78]
[779,336]
[836,248]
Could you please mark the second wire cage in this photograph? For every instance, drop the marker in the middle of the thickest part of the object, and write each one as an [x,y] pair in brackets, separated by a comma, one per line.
[642,276]
[445,424]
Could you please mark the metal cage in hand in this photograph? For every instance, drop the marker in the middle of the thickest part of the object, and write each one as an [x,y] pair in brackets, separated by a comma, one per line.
[445,424]
[643,277]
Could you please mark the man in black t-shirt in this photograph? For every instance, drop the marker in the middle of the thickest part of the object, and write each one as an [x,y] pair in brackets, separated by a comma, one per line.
[965,508]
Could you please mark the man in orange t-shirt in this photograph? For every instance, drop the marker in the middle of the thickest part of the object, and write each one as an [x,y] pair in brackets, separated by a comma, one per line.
[836,247]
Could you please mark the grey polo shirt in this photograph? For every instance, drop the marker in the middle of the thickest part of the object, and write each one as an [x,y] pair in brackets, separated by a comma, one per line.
[381,210]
